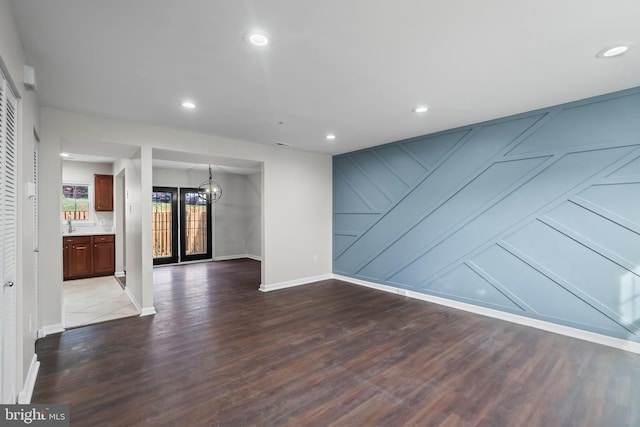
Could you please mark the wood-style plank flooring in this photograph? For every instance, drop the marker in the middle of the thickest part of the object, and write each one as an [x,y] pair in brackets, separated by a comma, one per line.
[221,353]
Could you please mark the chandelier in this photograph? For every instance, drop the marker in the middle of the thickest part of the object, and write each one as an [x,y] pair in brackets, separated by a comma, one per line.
[210,191]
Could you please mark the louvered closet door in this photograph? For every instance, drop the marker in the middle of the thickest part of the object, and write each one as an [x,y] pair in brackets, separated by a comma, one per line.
[8,141]
[36,229]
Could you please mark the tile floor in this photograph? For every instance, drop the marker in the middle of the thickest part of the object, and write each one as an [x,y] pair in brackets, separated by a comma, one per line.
[95,300]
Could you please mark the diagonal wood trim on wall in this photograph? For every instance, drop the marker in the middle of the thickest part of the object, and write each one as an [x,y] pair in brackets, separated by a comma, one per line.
[536,214]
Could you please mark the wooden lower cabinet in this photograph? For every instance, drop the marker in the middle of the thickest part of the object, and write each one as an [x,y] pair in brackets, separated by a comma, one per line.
[65,258]
[104,255]
[88,256]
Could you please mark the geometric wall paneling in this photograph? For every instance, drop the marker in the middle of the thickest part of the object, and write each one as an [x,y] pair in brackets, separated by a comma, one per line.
[619,199]
[585,123]
[599,233]
[464,284]
[584,272]
[430,150]
[630,171]
[341,241]
[545,298]
[345,197]
[536,214]
[446,218]
[473,155]
[387,181]
[542,189]
[354,222]
[401,163]
[368,190]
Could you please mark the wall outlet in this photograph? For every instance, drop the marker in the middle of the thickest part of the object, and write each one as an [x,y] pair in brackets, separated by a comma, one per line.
[315,258]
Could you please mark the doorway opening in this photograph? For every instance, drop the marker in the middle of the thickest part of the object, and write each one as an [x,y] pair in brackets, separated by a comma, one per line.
[181,227]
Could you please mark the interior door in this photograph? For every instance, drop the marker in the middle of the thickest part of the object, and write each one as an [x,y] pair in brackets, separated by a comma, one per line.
[164,228]
[36,230]
[195,226]
[8,248]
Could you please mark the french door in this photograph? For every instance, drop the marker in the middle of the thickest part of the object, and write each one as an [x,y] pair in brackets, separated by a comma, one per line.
[181,227]
[195,226]
[165,225]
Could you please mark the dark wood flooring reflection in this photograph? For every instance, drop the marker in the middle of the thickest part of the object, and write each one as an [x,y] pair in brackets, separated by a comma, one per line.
[221,353]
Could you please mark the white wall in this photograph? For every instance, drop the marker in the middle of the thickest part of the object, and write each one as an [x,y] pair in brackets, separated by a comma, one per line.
[172,177]
[296,197]
[253,194]
[83,173]
[13,59]
[133,205]
[230,216]
[297,219]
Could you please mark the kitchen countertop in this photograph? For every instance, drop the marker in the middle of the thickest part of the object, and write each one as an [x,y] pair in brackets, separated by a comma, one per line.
[88,233]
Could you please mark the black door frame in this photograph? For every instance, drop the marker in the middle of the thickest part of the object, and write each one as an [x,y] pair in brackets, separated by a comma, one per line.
[183,234]
[173,259]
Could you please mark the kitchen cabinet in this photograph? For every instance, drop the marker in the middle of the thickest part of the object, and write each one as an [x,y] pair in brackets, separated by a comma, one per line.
[79,256]
[65,257]
[88,256]
[104,255]
[103,193]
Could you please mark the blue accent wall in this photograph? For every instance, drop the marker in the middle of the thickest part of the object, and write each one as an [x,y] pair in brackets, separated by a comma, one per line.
[536,214]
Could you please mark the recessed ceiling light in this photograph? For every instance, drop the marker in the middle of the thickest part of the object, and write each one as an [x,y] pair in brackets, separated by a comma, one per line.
[421,109]
[331,137]
[611,52]
[188,104]
[64,154]
[257,38]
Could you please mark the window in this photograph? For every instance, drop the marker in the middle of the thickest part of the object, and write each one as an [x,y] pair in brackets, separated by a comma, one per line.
[75,202]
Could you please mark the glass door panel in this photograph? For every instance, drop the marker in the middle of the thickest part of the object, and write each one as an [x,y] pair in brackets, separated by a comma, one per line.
[195,226]
[164,228]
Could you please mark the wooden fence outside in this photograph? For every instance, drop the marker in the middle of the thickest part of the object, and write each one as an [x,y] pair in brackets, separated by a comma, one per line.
[75,215]
[161,231]
[195,228]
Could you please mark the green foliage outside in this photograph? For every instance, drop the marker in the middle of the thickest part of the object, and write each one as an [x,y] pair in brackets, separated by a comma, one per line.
[75,205]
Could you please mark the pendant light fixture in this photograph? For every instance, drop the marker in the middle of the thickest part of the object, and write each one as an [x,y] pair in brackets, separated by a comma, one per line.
[210,191]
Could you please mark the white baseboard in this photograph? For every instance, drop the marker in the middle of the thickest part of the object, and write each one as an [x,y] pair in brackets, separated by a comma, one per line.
[292,283]
[24,397]
[144,311]
[50,329]
[119,274]
[148,311]
[240,256]
[593,337]
[133,299]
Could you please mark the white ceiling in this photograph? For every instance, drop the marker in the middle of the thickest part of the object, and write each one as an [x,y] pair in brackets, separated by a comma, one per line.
[352,67]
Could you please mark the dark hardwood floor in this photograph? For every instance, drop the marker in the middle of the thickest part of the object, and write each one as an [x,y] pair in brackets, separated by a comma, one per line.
[221,353]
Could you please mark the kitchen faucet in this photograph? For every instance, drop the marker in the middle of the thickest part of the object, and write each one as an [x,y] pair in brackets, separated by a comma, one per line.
[70,230]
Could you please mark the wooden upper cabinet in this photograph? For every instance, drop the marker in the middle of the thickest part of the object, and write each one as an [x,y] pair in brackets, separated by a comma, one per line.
[103,193]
